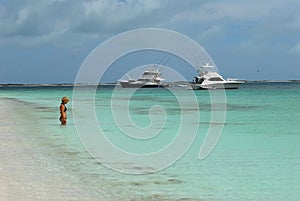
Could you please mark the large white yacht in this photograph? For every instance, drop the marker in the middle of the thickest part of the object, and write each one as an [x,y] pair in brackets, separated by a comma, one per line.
[149,79]
[209,79]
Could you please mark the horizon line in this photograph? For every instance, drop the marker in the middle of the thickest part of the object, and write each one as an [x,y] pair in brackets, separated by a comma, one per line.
[114,83]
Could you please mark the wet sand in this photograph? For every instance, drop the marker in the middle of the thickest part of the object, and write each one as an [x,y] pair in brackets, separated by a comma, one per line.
[13,163]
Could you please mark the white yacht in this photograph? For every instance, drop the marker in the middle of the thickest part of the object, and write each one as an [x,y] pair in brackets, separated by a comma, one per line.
[209,79]
[149,79]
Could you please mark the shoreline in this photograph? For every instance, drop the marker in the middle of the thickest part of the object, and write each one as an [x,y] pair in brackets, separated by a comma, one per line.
[26,174]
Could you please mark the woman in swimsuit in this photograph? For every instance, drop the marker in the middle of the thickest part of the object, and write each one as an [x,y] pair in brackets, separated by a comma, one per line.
[63,110]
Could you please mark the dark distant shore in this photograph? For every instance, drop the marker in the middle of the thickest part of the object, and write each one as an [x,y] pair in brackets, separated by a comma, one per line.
[114,84]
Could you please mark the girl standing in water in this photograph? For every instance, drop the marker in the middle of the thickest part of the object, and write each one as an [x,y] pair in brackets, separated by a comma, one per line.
[63,110]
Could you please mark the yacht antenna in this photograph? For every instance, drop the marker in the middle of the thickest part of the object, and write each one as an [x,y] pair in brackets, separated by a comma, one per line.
[160,61]
[128,76]
[197,66]
[165,63]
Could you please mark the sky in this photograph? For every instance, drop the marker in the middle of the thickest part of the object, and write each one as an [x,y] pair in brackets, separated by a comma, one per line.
[46,41]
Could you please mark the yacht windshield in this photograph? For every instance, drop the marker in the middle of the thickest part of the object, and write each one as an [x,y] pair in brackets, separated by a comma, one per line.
[215,79]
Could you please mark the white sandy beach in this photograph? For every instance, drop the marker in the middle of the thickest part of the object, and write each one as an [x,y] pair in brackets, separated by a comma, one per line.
[25,176]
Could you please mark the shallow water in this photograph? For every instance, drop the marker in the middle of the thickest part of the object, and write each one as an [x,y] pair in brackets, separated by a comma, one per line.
[256,158]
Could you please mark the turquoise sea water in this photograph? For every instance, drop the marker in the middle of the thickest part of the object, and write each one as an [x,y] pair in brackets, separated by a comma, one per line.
[256,158]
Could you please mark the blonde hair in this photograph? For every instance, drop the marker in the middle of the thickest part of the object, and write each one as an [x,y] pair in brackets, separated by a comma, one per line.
[65,99]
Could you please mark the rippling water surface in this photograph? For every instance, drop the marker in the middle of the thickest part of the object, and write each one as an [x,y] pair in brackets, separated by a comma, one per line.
[256,158]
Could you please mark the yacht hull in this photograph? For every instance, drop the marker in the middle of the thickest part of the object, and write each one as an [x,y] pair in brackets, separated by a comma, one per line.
[231,85]
[141,85]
